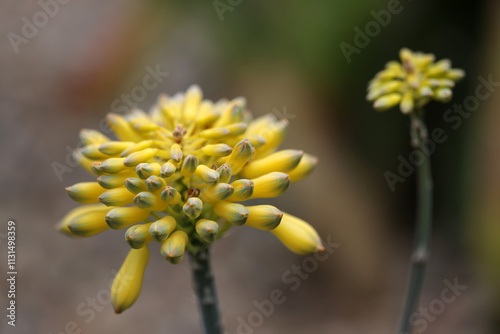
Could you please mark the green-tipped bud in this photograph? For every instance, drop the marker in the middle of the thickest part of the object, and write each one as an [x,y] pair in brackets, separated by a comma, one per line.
[173,248]
[263,217]
[145,170]
[117,197]
[234,213]
[207,174]
[112,165]
[147,200]
[225,173]
[113,180]
[170,195]
[168,168]
[138,236]
[193,207]
[189,165]
[219,192]
[243,190]
[304,168]
[85,192]
[407,103]
[115,147]
[154,183]
[128,282]
[217,150]
[236,129]
[91,137]
[95,167]
[282,161]
[443,94]
[176,152]
[161,229]
[135,185]
[240,156]
[133,159]
[257,141]
[270,185]
[207,229]
[297,235]
[92,152]
[137,147]
[214,133]
[118,218]
[387,101]
[89,223]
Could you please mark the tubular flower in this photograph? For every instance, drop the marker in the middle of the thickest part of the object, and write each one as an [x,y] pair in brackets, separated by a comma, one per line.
[175,174]
[414,82]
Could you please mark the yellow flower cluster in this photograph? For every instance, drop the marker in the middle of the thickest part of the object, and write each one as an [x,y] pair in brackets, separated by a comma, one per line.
[174,176]
[414,82]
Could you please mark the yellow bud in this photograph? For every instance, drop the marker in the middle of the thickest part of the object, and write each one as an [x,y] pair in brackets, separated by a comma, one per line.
[207,229]
[438,68]
[189,165]
[84,221]
[240,156]
[281,161]
[225,172]
[176,152]
[91,137]
[135,158]
[117,197]
[236,129]
[270,185]
[145,170]
[161,229]
[425,91]
[217,150]
[85,192]
[112,165]
[147,200]
[154,183]
[443,94]
[297,235]
[193,207]
[115,147]
[113,180]
[387,101]
[128,282]
[218,192]
[168,168]
[272,130]
[243,190]
[192,103]
[170,195]
[173,248]
[263,217]
[122,128]
[206,114]
[82,160]
[407,103]
[142,145]
[138,236]
[455,74]
[207,174]
[135,185]
[234,213]
[92,152]
[118,218]
[214,133]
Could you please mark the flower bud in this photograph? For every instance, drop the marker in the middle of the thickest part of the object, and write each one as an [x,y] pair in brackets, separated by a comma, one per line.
[161,229]
[263,217]
[387,101]
[114,147]
[270,185]
[225,173]
[119,218]
[111,181]
[92,152]
[176,152]
[138,236]
[297,235]
[407,103]
[168,169]
[117,197]
[189,165]
[122,128]
[207,229]
[218,192]
[145,170]
[135,158]
[217,150]
[234,213]
[112,165]
[154,183]
[304,168]
[207,174]
[193,207]
[128,282]
[147,200]
[91,137]
[62,226]
[135,185]
[85,192]
[282,161]
[170,195]
[136,147]
[173,248]
[243,190]
[85,221]
[214,133]
[240,156]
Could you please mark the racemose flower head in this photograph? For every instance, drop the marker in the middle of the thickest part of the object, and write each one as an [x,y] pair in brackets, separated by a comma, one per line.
[177,176]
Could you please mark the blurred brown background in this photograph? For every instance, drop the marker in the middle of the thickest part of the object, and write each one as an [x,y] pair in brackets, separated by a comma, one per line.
[71,68]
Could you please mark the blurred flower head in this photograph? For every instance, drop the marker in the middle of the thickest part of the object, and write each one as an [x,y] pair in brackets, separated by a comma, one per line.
[176,176]
[413,82]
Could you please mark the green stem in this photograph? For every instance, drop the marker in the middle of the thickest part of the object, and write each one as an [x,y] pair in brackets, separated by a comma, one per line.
[205,290]
[423,228]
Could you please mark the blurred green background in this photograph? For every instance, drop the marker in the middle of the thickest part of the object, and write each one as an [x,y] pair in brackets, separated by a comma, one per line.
[285,58]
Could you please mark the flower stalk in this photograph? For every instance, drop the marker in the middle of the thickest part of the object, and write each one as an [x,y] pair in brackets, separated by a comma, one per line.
[204,285]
